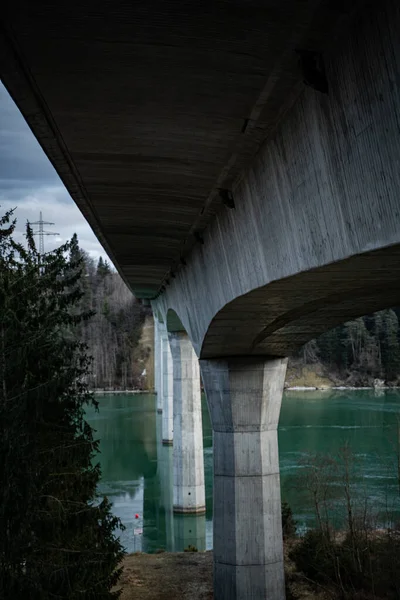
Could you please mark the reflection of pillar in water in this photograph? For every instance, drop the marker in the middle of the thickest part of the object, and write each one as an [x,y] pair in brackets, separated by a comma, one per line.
[165,475]
[151,517]
[146,526]
[190,530]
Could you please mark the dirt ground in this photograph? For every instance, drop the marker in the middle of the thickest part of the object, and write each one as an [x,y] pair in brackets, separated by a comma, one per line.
[188,576]
[167,576]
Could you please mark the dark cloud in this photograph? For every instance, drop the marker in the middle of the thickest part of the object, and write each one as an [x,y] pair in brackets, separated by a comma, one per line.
[21,157]
[29,183]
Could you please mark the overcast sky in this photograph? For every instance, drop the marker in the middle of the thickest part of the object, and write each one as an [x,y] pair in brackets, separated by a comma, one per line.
[29,183]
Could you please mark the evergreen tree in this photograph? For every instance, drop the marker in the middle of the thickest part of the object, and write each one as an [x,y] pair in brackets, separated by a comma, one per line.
[333,347]
[103,268]
[57,538]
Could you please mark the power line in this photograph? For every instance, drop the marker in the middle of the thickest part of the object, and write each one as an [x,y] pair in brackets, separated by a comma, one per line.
[41,232]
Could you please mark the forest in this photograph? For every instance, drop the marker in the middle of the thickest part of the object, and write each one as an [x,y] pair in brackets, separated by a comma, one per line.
[113,333]
[359,351]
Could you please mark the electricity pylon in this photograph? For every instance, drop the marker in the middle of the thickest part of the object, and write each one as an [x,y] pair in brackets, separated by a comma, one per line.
[41,233]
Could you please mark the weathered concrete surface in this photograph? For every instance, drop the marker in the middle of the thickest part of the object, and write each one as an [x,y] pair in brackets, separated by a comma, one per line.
[147,108]
[189,491]
[244,397]
[314,238]
[167,390]
[156,359]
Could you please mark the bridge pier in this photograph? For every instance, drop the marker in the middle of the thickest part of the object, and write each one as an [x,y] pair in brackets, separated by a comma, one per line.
[244,397]
[160,375]
[158,365]
[189,491]
[167,390]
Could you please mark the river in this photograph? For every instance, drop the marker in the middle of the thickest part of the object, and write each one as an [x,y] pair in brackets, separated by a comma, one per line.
[137,469]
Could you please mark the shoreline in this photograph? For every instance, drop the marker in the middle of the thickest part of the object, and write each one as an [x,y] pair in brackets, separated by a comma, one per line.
[295,388]
[299,388]
[122,391]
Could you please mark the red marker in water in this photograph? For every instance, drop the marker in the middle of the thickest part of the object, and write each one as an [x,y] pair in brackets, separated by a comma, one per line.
[136,516]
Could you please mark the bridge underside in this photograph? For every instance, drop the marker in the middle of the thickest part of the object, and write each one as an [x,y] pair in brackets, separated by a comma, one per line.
[314,237]
[277,319]
[147,109]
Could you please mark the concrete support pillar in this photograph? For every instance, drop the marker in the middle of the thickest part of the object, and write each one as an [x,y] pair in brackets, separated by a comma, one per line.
[189,491]
[158,354]
[168,399]
[244,397]
[156,366]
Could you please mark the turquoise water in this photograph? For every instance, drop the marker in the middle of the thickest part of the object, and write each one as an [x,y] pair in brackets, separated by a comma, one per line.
[137,469]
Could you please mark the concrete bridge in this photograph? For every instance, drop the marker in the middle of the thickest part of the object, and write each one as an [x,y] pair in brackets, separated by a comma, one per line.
[240,163]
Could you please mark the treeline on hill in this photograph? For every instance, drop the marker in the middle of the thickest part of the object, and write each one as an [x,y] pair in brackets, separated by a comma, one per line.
[113,334]
[359,351]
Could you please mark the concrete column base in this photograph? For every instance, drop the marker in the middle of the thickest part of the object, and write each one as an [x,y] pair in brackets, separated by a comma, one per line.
[244,397]
[189,489]
[195,510]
